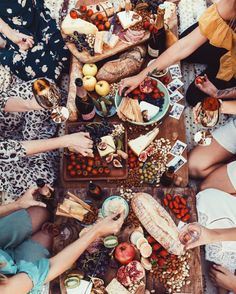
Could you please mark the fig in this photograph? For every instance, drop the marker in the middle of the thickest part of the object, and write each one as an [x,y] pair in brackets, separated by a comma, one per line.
[143,156]
[146,86]
[102,146]
[109,158]
[150,150]
[117,163]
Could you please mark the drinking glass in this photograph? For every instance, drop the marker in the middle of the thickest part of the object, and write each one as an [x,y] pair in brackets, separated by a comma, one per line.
[190,233]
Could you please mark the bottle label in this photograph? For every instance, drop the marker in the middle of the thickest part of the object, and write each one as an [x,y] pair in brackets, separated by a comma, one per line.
[89,116]
[153,52]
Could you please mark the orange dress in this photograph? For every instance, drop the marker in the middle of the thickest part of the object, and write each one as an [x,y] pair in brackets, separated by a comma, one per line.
[220,34]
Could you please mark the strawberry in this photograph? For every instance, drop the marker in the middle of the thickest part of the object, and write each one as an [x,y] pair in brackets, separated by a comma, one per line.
[136,91]
[155,95]
[163,253]
[151,240]
[142,96]
[89,13]
[74,14]
[151,27]
[154,83]
[156,247]
[154,256]
[146,25]
[161,262]
[83,8]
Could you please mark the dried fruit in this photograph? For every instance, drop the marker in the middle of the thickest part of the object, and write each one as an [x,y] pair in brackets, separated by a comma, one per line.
[117,163]
[102,146]
[109,158]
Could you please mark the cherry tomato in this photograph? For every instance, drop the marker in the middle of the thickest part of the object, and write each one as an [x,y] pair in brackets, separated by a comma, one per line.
[74,14]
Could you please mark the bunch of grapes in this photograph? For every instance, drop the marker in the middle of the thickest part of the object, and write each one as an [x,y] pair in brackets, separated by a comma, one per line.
[81,43]
[97,130]
[95,264]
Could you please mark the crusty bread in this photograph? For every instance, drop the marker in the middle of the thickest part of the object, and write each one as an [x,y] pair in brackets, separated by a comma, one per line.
[157,221]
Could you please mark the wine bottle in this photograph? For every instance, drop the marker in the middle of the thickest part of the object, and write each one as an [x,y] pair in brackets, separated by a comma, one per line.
[84,103]
[94,191]
[43,189]
[157,41]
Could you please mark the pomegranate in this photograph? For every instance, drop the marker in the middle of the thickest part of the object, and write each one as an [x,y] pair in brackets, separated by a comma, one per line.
[135,271]
[125,253]
[146,86]
[122,277]
[143,156]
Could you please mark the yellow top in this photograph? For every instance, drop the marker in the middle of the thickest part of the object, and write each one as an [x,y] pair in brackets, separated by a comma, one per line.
[221,35]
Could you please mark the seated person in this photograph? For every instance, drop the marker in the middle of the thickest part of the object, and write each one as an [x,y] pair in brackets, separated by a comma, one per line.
[216,214]
[24,256]
[33,45]
[211,42]
[27,149]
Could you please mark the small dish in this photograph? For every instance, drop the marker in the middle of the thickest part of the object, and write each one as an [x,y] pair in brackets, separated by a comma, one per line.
[60,114]
[114,204]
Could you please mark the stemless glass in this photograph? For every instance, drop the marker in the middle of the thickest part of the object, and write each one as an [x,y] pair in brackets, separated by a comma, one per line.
[190,233]
[210,112]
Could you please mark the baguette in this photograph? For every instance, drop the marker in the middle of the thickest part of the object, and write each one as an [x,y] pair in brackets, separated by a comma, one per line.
[157,221]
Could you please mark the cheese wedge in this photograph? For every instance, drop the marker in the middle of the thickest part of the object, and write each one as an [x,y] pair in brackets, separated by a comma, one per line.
[70,25]
[111,148]
[98,45]
[151,109]
[111,43]
[116,287]
[141,143]
[129,19]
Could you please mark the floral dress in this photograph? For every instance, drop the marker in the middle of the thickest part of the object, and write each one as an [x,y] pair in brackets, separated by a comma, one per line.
[18,172]
[49,55]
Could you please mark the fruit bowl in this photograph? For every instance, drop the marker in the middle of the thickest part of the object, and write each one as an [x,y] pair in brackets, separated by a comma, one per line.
[163,109]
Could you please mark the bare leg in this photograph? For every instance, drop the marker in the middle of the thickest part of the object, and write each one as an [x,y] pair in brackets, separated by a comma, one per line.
[203,160]
[44,239]
[218,179]
[39,216]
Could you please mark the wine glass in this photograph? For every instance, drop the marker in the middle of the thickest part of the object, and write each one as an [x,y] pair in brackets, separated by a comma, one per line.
[48,96]
[190,233]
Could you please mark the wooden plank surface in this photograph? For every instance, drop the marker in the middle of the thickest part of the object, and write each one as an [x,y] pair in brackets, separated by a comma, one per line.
[70,225]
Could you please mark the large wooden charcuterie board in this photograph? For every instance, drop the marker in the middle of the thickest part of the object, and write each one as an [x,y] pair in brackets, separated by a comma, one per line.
[152,283]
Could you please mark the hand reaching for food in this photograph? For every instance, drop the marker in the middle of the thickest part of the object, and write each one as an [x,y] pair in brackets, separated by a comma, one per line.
[80,143]
[129,84]
[110,225]
[206,86]
[196,110]
[23,41]
[204,238]
[27,200]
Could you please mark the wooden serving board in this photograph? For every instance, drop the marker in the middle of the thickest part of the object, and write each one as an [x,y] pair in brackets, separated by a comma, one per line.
[115,174]
[84,56]
[152,283]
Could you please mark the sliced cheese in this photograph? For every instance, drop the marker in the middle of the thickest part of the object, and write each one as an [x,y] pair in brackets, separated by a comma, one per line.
[111,148]
[111,43]
[116,287]
[129,19]
[151,109]
[70,25]
[98,45]
[141,143]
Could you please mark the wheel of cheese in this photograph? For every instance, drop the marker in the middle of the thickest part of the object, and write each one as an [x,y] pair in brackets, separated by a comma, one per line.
[157,221]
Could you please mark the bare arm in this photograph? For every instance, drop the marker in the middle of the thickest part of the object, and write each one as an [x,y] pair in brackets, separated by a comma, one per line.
[21,283]
[17,104]
[80,142]
[180,50]
[209,236]
[226,93]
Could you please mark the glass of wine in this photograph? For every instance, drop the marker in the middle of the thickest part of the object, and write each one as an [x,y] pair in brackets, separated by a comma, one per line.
[209,113]
[190,233]
[48,96]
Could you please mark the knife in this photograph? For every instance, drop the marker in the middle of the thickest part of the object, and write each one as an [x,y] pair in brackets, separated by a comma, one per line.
[113,21]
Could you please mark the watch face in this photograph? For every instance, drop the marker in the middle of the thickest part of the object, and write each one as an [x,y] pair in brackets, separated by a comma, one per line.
[46,93]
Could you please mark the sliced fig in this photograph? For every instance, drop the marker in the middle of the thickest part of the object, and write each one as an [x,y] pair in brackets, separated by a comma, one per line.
[135,271]
[143,156]
[150,150]
[117,163]
[109,158]
[146,86]
[122,277]
[102,146]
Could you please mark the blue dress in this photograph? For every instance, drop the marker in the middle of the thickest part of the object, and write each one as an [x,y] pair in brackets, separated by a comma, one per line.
[49,55]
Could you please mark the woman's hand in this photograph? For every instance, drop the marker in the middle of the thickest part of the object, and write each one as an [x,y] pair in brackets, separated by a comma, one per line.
[27,200]
[23,41]
[205,238]
[196,111]
[129,84]
[223,278]
[110,225]
[80,143]
[207,87]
